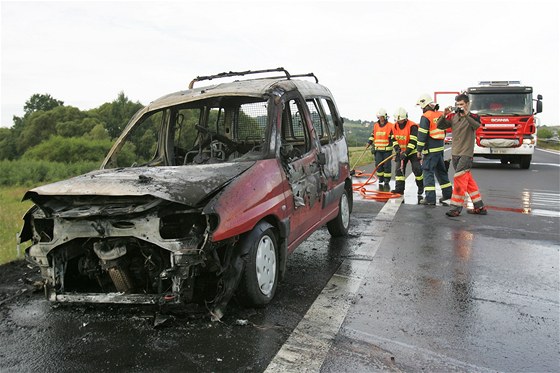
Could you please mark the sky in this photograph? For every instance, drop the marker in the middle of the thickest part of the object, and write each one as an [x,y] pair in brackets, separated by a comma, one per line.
[370,54]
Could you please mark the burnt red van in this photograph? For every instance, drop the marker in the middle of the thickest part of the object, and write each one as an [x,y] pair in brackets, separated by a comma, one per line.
[204,194]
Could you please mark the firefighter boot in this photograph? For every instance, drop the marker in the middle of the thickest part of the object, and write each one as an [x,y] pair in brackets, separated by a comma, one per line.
[424,202]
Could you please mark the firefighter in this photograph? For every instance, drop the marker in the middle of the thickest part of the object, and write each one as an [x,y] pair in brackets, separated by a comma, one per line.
[464,125]
[430,150]
[405,134]
[382,141]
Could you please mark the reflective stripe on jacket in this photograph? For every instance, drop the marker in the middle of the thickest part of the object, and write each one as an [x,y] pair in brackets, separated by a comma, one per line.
[404,137]
[433,117]
[382,136]
[430,138]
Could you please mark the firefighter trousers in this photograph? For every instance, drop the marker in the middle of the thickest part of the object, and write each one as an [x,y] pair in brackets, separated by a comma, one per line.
[434,168]
[383,172]
[400,173]
[464,185]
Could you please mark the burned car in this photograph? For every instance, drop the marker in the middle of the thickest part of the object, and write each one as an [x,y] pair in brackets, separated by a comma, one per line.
[202,197]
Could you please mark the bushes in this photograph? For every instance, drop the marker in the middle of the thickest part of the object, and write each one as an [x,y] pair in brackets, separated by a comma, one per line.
[34,172]
[71,150]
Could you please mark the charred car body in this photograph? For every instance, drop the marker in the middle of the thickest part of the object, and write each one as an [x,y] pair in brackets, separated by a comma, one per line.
[205,193]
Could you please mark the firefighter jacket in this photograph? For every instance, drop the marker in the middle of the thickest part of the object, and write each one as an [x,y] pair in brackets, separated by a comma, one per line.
[430,138]
[382,136]
[406,137]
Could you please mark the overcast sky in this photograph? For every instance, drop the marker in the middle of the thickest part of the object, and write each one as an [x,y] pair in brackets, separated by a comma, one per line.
[370,54]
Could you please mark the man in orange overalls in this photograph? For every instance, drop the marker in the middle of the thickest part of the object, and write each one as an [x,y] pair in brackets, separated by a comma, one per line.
[464,125]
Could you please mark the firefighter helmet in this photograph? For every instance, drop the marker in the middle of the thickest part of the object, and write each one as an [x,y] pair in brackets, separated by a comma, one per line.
[424,100]
[381,113]
[401,114]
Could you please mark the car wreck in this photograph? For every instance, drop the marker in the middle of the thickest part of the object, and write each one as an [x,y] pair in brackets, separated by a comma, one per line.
[202,197]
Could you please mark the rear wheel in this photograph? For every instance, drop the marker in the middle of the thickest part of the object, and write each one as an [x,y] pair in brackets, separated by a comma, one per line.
[339,225]
[260,274]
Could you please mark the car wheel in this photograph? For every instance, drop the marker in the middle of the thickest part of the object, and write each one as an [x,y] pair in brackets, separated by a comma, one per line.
[260,274]
[339,225]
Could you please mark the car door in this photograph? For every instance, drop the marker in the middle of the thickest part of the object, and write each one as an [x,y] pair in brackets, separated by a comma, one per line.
[299,158]
[333,146]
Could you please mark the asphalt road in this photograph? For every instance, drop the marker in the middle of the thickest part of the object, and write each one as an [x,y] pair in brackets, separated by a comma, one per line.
[409,290]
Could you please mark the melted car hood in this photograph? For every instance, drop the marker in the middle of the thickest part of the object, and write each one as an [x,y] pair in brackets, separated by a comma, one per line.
[187,185]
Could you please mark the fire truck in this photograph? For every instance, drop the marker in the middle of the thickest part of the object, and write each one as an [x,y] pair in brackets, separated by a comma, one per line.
[508,122]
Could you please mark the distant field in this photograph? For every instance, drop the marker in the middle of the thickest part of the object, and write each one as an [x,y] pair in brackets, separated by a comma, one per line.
[11,212]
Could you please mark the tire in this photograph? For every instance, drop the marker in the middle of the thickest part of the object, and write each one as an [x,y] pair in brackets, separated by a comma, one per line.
[525,162]
[260,273]
[339,226]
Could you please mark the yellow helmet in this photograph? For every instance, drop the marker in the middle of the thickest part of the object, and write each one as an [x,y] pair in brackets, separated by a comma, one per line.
[400,114]
[424,100]
[381,113]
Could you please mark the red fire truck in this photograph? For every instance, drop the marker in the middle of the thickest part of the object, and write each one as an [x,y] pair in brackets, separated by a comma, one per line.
[508,121]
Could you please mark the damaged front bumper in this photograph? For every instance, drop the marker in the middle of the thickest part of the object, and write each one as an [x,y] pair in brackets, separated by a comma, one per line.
[157,257]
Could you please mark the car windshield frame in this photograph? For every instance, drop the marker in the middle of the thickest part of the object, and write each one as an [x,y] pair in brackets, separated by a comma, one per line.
[219,129]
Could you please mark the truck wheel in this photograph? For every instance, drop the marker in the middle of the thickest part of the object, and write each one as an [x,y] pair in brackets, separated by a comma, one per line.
[339,225]
[524,162]
[260,274]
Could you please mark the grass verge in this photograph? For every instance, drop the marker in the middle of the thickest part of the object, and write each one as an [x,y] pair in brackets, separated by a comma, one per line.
[359,157]
[11,213]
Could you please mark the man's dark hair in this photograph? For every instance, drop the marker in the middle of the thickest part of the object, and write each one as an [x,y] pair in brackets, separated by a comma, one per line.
[462,97]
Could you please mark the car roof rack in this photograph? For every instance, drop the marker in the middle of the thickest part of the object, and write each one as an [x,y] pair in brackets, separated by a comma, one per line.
[248,72]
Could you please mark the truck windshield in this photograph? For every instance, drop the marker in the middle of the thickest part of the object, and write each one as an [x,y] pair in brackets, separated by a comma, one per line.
[501,103]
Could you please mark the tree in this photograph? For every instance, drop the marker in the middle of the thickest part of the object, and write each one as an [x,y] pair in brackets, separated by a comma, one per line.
[76,128]
[98,133]
[69,150]
[116,114]
[43,102]
[7,144]
[544,133]
[40,125]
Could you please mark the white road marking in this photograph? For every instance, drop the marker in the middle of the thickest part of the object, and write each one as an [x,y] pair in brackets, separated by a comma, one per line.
[308,345]
[420,353]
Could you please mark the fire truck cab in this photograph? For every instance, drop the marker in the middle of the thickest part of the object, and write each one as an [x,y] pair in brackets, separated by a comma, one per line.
[508,121]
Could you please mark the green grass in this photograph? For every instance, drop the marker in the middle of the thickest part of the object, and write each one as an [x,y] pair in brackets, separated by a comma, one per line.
[11,213]
[358,157]
[547,145]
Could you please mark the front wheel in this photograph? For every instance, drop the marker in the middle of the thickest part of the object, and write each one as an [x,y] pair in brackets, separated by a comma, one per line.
[524,162]
[339,225]
[260,274]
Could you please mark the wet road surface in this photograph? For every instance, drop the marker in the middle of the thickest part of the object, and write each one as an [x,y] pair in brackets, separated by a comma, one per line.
[424,293]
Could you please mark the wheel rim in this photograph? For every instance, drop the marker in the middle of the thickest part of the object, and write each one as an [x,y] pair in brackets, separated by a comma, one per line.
[266,265]
[344,211]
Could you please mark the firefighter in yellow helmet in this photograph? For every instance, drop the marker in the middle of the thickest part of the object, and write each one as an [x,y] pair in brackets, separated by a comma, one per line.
[405,134]
[430,150]
[382,147]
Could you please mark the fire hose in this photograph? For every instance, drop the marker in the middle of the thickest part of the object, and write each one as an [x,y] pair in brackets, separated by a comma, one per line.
[361,187]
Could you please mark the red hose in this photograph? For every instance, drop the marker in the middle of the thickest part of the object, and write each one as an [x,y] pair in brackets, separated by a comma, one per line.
[373,194]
